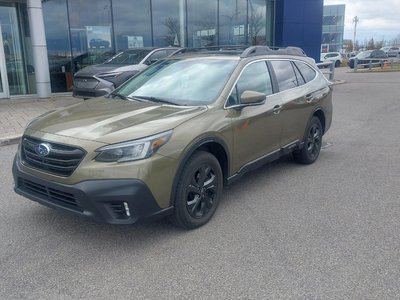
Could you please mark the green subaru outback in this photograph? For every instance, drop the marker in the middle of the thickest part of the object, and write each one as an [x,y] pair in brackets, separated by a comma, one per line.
[168,140]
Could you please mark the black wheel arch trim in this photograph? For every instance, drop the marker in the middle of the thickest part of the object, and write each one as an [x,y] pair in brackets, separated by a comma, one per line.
[191,150]
[312,115]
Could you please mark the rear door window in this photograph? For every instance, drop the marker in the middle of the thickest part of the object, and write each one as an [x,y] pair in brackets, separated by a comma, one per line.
[285,74]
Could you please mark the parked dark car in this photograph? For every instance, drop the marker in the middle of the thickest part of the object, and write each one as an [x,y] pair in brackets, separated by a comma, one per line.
[101,79]
[365,57]
[99,43]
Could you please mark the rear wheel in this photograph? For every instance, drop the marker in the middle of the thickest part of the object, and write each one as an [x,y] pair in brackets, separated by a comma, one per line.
[198,191]
[337,63]
[312,144]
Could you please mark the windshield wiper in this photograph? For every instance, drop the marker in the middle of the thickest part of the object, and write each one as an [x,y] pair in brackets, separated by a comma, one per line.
[154,99]
[123,97]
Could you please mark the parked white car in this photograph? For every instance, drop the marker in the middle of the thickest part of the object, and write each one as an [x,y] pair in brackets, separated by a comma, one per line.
[393,51]
[336,57]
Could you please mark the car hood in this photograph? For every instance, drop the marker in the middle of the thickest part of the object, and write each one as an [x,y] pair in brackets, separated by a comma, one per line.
[110,121]
[105,68]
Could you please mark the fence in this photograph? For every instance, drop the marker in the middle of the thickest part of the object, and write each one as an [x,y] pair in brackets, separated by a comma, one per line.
[376,63]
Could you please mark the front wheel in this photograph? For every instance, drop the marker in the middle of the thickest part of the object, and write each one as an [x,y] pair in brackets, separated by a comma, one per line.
[198,191]
[312,144]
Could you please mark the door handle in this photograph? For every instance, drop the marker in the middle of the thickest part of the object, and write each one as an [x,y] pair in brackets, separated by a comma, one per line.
[309,97]
[277,109]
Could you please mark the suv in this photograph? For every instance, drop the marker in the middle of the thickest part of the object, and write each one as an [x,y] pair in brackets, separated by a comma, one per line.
[99,80]
[393,51]
[169,139]
[366,57]
[335,57]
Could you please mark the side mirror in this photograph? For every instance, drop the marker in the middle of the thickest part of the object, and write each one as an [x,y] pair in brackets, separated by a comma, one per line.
[252,97]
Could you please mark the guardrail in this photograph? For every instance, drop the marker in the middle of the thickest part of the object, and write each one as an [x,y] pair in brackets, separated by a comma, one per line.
[330,71]
[377,62]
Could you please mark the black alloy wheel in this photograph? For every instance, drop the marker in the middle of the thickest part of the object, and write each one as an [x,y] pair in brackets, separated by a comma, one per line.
[312,144]
[198,191]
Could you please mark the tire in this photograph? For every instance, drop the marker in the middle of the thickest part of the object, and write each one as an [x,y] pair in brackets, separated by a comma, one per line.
[312,144]
[198,191]
[337,64]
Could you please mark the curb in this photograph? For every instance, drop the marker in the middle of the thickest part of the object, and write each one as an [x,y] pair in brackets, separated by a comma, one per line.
[10,140]
[337,81]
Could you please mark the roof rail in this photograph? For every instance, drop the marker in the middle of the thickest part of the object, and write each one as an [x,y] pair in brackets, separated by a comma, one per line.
[265,50]
[221,48]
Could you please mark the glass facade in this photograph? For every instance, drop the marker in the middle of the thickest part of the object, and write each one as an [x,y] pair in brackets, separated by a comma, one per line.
[89,32]
[333,27]
[86,32]
[16,46]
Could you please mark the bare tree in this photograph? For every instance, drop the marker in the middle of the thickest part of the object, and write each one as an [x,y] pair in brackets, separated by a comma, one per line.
[371,44]
[396,40]
[173,34]
[256,26]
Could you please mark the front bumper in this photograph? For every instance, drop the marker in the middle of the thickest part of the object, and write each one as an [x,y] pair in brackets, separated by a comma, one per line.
[103,201]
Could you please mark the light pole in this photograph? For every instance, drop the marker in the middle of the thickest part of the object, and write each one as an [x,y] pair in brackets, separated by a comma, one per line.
[355,21]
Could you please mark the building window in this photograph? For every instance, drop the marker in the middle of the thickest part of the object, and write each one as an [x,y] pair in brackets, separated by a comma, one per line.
[20,71]
[202,23]
[58,45]
[232,22]
[132,24]
[90,31]
[168,23]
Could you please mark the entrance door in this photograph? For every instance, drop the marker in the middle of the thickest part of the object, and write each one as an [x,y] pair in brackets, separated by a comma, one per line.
[4,93]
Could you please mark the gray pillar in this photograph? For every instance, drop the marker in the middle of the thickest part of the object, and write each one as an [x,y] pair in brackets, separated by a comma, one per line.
[39,48]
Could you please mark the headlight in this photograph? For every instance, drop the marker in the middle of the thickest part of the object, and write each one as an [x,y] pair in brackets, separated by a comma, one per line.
[108,75]
[133,150]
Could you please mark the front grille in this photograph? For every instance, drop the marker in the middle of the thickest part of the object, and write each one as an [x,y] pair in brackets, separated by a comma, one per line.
[85,82]
[61,160]
[49,194]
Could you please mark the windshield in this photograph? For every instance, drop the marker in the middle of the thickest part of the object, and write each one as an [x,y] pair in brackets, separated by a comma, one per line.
[130,57]
[196,81]
[363,54]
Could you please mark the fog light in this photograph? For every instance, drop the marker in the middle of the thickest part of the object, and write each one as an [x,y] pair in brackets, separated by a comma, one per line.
[127,209]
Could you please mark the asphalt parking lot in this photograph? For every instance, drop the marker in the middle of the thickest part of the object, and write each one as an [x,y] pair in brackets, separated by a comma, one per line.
[325,231]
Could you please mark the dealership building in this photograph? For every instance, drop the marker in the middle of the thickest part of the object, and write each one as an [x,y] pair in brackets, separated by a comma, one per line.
[43,42]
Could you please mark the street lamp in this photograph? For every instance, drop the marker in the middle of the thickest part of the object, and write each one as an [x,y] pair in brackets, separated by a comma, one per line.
[355,21]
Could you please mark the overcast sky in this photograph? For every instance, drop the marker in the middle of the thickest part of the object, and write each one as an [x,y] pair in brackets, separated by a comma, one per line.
[379,19]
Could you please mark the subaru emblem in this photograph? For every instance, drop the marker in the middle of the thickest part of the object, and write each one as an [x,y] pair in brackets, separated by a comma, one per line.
[43,149]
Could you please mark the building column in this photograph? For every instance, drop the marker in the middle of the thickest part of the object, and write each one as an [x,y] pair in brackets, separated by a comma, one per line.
[39,47]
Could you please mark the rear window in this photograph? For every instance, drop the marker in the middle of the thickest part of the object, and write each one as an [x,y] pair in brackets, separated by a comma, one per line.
[305,70]
[130,57]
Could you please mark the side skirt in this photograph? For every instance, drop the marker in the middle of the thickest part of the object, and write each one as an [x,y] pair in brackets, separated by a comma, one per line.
[270,157]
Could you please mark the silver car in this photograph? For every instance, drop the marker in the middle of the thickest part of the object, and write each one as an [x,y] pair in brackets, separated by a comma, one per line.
[102,79]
